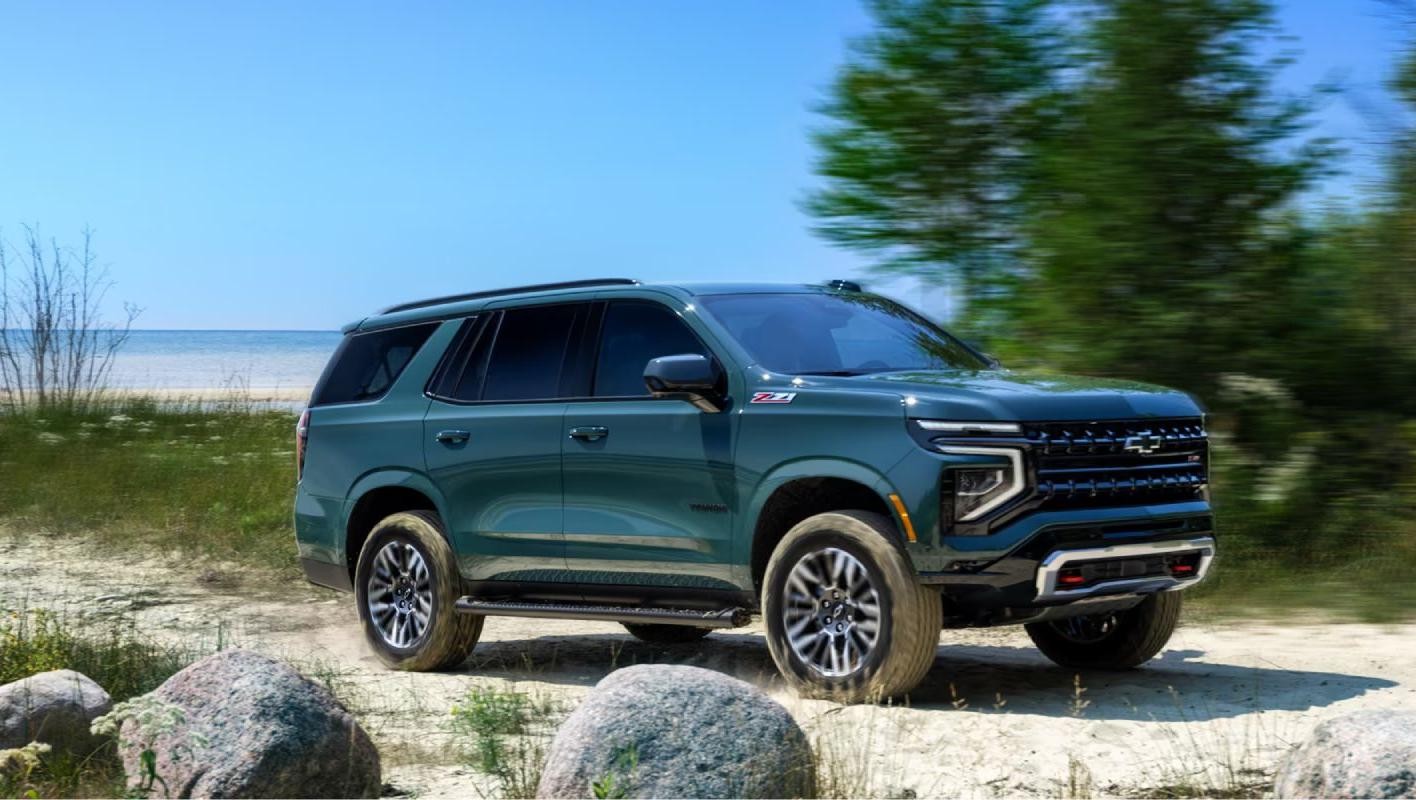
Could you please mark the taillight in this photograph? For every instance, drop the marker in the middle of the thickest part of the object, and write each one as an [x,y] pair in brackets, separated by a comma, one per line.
[302,435]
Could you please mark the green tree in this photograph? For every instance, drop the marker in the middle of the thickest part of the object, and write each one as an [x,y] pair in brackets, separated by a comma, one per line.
[933,123]
[1157,228]
[1394,295]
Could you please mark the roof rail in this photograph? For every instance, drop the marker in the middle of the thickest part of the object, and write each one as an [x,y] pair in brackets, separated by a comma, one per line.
[535,287]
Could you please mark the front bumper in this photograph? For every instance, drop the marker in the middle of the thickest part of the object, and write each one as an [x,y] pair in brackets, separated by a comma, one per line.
[1025,582]
[1195,555]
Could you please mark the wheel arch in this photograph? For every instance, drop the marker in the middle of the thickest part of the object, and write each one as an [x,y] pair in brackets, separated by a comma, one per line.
[379,494]
[802,489]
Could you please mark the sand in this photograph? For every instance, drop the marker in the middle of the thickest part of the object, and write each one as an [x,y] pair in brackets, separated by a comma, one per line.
[994,718]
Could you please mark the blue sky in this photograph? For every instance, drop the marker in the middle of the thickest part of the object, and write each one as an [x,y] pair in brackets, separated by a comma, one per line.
[296,165]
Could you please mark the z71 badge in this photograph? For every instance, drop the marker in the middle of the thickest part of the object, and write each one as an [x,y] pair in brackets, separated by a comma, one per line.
[772,397]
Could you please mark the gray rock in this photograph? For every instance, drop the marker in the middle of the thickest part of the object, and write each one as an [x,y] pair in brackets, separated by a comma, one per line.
[671,731]
[250,726]
[1363,754]
[52,707]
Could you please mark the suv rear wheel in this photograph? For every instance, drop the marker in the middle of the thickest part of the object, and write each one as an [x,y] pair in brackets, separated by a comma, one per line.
[407,584]
[1120,640]
[845,616]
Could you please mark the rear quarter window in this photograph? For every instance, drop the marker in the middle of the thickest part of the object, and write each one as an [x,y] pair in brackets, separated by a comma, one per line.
[366,364]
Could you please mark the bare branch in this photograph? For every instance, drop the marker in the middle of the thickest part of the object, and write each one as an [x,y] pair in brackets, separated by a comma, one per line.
[56,348]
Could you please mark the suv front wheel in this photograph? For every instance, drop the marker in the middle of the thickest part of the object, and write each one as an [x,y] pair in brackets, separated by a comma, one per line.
[407,584]
[1122,640]
[845,617]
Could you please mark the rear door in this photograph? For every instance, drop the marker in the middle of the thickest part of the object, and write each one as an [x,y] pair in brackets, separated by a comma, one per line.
[649,496]
[492,439]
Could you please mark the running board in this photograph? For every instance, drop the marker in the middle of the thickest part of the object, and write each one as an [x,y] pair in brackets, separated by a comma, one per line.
[724,618]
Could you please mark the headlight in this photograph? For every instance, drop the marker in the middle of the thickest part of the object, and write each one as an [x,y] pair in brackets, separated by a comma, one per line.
[979,490]
[975,489]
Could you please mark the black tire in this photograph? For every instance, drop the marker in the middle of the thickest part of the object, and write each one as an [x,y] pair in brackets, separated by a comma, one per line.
[1121,640]
[448,636]
[666,634]
[906,625]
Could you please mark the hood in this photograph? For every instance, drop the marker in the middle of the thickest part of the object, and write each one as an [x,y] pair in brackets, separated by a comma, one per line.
[1011,396]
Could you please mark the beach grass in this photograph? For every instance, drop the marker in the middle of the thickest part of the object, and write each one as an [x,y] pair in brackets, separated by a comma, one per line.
[110,650]
[214,476]
[116,655]
[506,733]
[196,477]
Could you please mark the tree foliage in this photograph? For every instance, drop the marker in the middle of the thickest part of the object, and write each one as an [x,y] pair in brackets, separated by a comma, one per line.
[1156,227]
[935,118]
[1115,187]
[1097,191]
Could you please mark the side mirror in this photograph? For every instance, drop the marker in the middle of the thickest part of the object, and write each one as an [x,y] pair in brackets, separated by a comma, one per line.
[692,377]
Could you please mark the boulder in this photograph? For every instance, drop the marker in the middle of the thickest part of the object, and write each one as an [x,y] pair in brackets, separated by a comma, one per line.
[52,707]
[672,731]
[1362,754]
[240,724]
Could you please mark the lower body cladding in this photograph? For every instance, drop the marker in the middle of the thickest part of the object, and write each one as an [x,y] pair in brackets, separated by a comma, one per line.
[1078,570]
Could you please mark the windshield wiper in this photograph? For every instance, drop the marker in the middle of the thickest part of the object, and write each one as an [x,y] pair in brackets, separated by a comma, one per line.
[836,373]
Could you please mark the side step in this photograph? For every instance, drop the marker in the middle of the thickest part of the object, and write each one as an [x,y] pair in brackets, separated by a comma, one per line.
[723,618]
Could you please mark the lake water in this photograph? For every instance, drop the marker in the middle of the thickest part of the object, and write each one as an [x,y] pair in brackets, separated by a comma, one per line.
[192,360]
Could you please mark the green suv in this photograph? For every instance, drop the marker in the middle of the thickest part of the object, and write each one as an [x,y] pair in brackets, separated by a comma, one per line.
[679,458]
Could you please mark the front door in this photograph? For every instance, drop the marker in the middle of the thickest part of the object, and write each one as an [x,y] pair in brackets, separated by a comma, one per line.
[648,483]
[492,439]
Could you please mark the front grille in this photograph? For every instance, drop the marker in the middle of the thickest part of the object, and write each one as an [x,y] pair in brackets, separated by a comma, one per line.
[1130,462]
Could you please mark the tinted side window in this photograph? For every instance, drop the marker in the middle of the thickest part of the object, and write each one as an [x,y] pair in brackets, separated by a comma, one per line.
[457,378]
[631,335]
[367,364]
[528,353]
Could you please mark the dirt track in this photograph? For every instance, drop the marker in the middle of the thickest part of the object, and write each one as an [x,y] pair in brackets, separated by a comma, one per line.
[993,718]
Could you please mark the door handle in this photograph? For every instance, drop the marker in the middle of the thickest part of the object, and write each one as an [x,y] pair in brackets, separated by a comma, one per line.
[589,433]
[453,437]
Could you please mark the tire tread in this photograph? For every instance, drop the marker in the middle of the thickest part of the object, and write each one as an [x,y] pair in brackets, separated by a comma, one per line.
[916,615]
[1145,630]
[453,634]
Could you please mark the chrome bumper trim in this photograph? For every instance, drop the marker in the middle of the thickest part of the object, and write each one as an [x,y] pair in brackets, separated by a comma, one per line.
[1056,561]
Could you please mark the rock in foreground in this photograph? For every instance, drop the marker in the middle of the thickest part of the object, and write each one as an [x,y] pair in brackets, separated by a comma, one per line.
[250,726]
[1363,754]
[672,731]
[52,707]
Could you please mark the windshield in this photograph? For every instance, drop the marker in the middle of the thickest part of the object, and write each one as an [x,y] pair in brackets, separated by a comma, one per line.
[830,334]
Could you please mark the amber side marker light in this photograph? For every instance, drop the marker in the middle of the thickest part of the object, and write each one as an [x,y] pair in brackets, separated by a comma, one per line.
[904,516]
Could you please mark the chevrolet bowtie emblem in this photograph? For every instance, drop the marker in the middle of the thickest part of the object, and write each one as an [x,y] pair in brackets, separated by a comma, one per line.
[1144,443]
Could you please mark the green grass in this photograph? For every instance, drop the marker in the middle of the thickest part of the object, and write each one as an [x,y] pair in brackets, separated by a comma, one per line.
[111,652]
[216,481]
[506,735]
[1363,582]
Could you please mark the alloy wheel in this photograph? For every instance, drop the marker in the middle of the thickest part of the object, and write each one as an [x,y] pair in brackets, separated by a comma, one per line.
[832,614]
[400,594]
